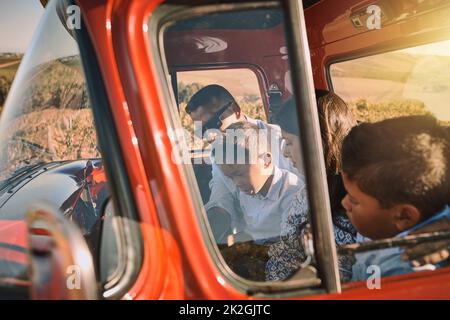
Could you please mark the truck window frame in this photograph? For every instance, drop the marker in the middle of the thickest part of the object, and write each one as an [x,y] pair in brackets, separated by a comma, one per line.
[314,163]
[130,237]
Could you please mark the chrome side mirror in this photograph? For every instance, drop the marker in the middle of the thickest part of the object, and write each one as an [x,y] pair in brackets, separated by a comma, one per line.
[60,263]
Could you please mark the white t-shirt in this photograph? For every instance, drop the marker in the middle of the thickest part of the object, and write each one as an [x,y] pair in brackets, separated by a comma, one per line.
[258,216]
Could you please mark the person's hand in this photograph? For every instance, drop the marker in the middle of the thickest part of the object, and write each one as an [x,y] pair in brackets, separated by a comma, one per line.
[240,238]
[429,252]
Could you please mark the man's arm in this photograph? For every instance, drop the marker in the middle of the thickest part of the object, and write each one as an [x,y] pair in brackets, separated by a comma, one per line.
[225,196]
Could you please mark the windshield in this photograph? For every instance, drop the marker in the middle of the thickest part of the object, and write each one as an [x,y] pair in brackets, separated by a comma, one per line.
[47,116]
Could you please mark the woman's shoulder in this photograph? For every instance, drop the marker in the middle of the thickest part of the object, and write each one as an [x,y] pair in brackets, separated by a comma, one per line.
[293,193]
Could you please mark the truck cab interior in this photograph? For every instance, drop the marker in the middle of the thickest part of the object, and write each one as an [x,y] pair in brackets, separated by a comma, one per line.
[381,69]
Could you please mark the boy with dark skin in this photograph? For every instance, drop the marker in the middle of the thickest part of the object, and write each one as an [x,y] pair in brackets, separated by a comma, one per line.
[396,173]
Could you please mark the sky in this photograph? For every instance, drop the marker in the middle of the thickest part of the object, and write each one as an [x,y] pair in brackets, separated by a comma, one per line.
[18,21]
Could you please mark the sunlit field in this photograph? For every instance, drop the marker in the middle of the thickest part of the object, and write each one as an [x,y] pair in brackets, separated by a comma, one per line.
[404,82]
[56,122]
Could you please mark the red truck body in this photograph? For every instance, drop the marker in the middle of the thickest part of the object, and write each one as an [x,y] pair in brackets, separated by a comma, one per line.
[177,261]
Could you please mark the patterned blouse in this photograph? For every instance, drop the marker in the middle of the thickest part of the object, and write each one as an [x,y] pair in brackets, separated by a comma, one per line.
[344,233]
[287,255]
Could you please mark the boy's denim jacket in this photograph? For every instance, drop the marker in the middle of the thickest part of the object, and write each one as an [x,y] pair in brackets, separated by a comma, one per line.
[388,260]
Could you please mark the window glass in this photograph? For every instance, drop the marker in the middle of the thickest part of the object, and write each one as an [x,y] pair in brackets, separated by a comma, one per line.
[48,117]
[242,84]
[403,82]
[109,251]
[391,156]
[49,145]
[249,172]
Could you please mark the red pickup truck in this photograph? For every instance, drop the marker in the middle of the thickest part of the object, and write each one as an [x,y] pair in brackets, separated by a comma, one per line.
[92,203]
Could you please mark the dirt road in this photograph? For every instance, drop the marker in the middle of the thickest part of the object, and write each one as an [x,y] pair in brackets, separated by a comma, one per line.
[8,64]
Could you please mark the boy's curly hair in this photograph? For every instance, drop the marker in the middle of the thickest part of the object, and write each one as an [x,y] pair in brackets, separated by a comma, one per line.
[401,160]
